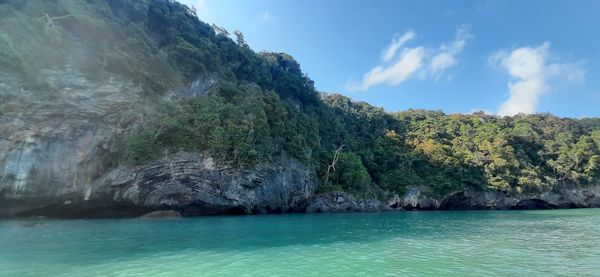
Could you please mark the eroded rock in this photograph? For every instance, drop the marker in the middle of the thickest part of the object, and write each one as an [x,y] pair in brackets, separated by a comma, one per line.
[161,215]
[340,202]
[61,155]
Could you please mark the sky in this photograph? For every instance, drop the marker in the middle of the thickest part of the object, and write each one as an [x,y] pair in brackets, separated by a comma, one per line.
[498,56]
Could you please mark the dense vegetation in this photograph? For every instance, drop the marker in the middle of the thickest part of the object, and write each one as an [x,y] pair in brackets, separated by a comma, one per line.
[264,108]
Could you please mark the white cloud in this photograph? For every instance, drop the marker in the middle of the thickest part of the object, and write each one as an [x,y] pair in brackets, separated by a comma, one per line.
[400,63]
[409,62]
[572,72]
[266,16]
[446,57]
[529,68]
[396,43]
[440,62]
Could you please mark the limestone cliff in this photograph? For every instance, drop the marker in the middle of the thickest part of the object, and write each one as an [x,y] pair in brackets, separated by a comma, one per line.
[56,141]
[61,155]
[421,198]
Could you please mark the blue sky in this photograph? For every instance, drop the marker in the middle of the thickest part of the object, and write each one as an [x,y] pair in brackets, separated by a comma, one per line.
[503,57]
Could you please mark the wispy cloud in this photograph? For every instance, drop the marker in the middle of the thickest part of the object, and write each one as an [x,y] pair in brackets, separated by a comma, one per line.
[410,60]
[446,57]
[529,68]
[266,16]
[396,43]
[399,62]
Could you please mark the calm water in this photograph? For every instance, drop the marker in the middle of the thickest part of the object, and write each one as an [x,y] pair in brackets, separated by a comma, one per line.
[509,243]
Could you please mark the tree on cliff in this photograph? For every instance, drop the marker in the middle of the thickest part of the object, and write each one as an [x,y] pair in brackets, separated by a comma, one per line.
[239,38]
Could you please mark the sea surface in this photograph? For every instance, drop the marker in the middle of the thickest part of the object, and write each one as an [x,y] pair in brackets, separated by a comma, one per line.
[471,243]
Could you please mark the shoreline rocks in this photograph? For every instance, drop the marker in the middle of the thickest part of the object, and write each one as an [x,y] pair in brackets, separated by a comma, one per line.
[135,199]
[165,214]
[419,198]
[191,184]
[340,202]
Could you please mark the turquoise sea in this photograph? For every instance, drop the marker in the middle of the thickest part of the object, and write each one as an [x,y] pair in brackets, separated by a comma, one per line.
[471,243]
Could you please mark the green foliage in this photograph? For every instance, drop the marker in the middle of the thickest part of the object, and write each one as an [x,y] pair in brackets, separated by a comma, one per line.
[351,175]
[142,146]
[242,124]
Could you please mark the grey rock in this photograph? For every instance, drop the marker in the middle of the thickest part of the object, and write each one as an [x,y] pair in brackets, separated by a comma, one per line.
[574,197]
[55,141]
[61,155]
[201,86]
[161,215]
[334,202]
[340,202]
[195,184]
[421,198]
[373,205]
[418,198]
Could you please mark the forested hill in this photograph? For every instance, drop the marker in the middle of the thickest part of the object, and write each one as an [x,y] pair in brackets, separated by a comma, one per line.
[260,107]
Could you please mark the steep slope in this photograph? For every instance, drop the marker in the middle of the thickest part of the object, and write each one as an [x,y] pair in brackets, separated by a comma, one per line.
[81,89]
[117,108]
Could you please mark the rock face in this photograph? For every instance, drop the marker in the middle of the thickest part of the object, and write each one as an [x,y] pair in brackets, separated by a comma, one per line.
[161,215]
[420,198]
[188,183]
[54,141]
[194,184]
[61,156]
[417,198]
[583,197]
[339,202]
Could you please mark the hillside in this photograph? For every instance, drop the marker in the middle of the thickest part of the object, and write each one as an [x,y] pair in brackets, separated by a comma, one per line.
[118,107]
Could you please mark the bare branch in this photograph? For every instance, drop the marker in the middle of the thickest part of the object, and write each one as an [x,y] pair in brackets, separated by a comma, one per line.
[336,157]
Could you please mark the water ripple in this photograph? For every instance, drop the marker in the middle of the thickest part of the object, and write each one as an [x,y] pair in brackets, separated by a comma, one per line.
[498,243]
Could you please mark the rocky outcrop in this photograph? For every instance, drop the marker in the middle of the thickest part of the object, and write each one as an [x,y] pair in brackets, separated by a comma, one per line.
[194,184]
[61,155]
[339,202]
[470,199]
[188,183]
[418,198]
[161,215]
[575,197]
[57,138]
[421,198]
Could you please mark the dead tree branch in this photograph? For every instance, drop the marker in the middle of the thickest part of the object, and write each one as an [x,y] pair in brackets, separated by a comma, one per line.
[336,157]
